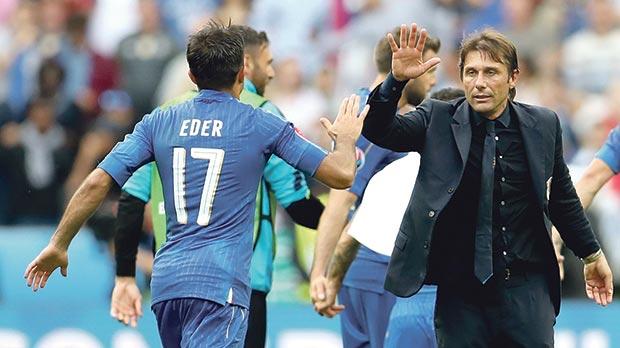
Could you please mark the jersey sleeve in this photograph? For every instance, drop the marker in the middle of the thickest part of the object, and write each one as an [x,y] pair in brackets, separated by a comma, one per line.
[286,142]
[372,159]
[287,183]
[130,154]
[139,184]
[610,152]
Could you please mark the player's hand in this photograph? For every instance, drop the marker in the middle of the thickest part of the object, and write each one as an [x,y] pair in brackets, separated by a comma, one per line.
[126,304]
[328,306]
[318,288]
[348,123]
[599,281]
[39,270]
[407,59]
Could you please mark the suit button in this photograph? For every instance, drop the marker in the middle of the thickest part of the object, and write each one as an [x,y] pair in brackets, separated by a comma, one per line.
[425,245]
[451,189]
[431,213]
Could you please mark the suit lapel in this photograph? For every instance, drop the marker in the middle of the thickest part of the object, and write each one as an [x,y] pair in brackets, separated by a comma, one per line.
[461,131]
[534,150]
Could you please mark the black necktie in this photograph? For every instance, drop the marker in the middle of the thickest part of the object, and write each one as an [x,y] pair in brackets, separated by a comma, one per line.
[483,257]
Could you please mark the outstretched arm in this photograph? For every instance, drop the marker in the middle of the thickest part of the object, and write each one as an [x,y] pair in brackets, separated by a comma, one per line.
[82,205]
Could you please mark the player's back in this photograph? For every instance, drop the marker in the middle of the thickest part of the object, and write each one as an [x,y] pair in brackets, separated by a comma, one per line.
[210,152]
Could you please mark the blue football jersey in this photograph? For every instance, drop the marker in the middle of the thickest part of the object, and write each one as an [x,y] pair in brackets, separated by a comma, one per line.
[210,152]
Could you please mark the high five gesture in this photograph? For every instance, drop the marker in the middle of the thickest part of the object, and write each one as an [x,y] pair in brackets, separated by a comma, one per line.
[407,60]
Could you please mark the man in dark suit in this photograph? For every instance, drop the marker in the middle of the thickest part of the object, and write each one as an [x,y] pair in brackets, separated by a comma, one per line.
[492,181]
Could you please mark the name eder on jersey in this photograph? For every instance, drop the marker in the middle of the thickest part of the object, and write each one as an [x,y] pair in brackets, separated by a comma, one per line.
[205,128]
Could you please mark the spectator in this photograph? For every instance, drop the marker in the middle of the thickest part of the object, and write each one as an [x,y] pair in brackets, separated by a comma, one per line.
[591,55]
[35,158]
[142,58]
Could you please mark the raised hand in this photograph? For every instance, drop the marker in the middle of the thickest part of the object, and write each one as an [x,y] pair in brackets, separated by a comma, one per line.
[39,270]
[126,304]
[407,59]
[348,123]
[599,281]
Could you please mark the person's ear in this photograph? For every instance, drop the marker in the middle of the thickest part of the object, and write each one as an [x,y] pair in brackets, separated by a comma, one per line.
[192,77]
[512,80]
[240,75]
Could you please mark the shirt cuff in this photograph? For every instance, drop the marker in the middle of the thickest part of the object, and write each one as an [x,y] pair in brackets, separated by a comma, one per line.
[311,159]
[391,88]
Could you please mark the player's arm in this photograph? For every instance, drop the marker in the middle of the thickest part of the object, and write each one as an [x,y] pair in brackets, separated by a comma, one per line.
[125,158]
[346,249]
[134,195]
[335,169]
[126,301]
[306,211]
[594,178]
[82,205]
[330,228]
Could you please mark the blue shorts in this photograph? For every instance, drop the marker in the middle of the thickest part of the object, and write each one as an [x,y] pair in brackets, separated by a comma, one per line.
[193,322]
[365,317]
[411,322]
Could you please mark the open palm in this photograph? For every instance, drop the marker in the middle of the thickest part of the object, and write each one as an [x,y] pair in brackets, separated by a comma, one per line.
[407,59]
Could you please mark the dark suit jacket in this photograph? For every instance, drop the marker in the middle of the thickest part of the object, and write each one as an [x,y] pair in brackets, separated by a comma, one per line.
[441,133]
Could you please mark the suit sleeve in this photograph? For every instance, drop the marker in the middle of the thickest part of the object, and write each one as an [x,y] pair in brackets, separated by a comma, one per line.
[565,209]
[384,127]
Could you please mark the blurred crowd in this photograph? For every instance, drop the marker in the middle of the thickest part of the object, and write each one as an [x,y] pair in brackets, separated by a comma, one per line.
[76,75]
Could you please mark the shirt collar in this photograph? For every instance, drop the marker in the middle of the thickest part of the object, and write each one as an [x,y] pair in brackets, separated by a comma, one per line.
[504,118]
[249,86]
[213,94]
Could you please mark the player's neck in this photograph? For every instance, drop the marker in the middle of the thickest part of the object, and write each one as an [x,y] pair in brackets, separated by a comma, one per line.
[225,90]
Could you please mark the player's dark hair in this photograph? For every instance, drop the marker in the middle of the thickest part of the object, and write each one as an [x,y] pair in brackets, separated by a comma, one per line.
[383,52]
[215,56]
[448,93]
[252,39]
